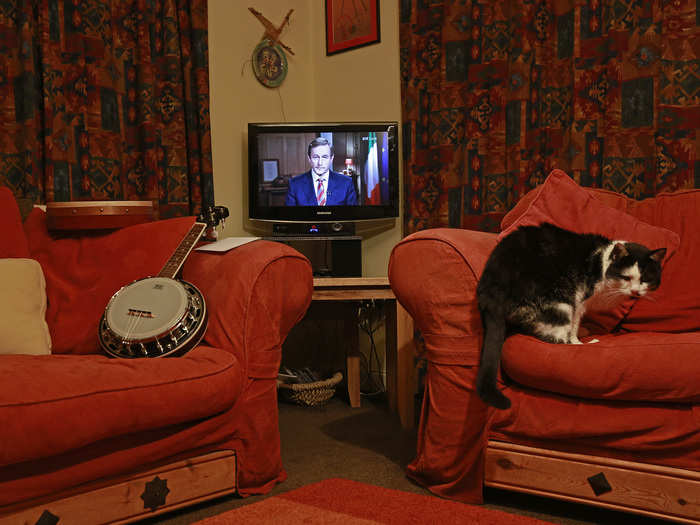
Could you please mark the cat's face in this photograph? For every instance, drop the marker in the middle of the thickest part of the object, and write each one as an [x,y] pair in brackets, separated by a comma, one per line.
[634,269]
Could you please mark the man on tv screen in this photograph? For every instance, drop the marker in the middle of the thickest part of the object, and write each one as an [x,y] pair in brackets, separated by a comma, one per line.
[321,186]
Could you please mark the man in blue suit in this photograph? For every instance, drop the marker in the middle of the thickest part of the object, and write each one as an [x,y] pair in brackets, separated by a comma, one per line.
[321,186]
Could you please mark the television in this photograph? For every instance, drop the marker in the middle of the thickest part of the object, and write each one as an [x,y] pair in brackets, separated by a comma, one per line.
[362,158]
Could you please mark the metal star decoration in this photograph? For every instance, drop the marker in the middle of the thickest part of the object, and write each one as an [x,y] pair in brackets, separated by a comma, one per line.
[155,493]
[47,518]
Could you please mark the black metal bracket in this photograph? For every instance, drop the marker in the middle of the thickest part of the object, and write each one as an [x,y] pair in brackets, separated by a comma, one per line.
[599,484]
[47,518]
[155,493]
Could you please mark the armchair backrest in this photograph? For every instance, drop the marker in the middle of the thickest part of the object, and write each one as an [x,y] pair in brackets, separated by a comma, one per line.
[13,242]
[83,271]
[675,306]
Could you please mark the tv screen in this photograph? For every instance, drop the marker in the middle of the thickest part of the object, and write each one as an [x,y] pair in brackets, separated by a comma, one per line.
[317,172]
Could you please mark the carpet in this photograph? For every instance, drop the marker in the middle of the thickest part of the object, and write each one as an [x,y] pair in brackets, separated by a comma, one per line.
[345,502]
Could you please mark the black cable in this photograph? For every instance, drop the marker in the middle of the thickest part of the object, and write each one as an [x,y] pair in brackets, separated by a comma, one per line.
[367,324]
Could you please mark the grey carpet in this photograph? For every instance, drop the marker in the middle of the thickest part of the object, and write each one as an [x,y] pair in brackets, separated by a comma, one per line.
[368,445]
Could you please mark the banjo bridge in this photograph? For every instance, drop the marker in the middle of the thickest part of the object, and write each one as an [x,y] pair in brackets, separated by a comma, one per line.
[140,313]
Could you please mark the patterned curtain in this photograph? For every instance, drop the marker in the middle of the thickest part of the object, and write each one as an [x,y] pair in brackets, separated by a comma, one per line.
[106,100]
[495,94]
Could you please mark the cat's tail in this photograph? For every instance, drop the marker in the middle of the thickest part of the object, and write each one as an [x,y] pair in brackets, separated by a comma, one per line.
[487,376]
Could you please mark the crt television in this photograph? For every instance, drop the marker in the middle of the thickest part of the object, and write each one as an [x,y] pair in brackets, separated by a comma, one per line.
[363,154]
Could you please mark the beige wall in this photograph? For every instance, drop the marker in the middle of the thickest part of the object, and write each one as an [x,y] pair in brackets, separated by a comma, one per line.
[357,85]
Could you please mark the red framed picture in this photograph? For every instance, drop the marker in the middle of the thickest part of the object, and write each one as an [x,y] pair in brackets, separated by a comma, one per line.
[351,24]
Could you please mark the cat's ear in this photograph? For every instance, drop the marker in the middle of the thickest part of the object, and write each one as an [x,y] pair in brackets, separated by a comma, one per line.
[658,255]
[619,251]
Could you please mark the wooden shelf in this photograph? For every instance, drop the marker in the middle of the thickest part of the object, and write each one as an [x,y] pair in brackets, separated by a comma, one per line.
[351,288]
[400,349]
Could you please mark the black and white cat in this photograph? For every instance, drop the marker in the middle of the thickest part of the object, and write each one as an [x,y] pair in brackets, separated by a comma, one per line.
[537,281]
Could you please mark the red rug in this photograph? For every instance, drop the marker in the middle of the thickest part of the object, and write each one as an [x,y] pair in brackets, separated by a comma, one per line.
[344,502]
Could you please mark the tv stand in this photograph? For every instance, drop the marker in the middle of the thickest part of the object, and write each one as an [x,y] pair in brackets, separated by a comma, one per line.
[399,349]
[330,255]
[313,229]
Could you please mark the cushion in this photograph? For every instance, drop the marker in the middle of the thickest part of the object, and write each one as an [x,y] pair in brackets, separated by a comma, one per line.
[83,272]
[675,306]
[607,197]
[52,405]
[13,242]
[629,366]
[23,328]
[566,204]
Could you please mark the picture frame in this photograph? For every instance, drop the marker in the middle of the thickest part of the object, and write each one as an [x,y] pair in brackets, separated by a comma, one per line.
[351,24]
[270,169]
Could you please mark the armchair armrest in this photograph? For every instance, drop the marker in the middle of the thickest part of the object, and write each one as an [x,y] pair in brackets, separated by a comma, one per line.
[255,294]
[434,274]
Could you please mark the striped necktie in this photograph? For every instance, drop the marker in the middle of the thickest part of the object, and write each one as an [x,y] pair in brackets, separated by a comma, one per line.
[320,194]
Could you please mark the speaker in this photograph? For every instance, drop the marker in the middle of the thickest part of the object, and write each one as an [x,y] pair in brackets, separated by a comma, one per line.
[313,228]
[329,256]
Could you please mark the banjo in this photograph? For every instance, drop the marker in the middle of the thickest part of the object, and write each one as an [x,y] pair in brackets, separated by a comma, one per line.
[159,316]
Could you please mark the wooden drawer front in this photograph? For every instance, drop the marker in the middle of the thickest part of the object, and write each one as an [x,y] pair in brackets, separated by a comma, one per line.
[651,490]
[141,496]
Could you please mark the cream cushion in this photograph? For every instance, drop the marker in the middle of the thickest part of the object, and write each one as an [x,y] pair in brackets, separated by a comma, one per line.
[23,328]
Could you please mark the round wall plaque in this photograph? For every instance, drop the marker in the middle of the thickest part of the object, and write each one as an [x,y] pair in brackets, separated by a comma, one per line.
[269,63]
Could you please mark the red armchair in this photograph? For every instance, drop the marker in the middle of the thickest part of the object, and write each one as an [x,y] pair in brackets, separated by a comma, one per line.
[88,438]
[613,424]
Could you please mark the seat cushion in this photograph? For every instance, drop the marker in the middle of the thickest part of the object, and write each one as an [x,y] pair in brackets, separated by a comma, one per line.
[56,403]
[647,366]
[566,204]
[656,433]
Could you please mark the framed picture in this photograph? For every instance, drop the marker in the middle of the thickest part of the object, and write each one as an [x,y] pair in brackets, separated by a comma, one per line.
[270,169]
[351,24]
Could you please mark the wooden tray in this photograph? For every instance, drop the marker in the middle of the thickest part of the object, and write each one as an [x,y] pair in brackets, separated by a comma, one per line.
[97,215]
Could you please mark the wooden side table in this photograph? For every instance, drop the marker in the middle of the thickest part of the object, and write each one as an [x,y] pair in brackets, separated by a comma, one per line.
[400,349]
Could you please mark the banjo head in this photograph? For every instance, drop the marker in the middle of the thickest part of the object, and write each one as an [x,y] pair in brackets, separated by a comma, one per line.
[153,317]
[146,308]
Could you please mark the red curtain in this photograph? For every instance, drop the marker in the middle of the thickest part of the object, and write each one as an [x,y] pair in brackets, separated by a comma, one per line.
[106,100]
[495,94]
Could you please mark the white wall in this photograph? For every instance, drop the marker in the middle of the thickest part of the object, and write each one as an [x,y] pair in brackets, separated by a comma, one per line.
[361,84]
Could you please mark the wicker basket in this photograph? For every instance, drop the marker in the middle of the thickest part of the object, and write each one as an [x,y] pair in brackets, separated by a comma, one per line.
[309,394]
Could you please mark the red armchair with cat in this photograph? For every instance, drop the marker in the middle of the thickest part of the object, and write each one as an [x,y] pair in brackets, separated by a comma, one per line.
[92,439]
[615,423]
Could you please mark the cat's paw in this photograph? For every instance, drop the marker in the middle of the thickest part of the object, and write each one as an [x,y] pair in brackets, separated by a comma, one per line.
[592,341]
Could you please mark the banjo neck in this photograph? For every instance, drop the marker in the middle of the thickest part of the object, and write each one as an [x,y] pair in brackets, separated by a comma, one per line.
[183,250]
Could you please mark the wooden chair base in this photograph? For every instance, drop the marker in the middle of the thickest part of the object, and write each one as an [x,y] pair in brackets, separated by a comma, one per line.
[651,490]
[133,498]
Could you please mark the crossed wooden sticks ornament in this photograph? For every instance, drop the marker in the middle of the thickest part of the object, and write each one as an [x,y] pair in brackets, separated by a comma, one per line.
[272,33]
[269,60]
